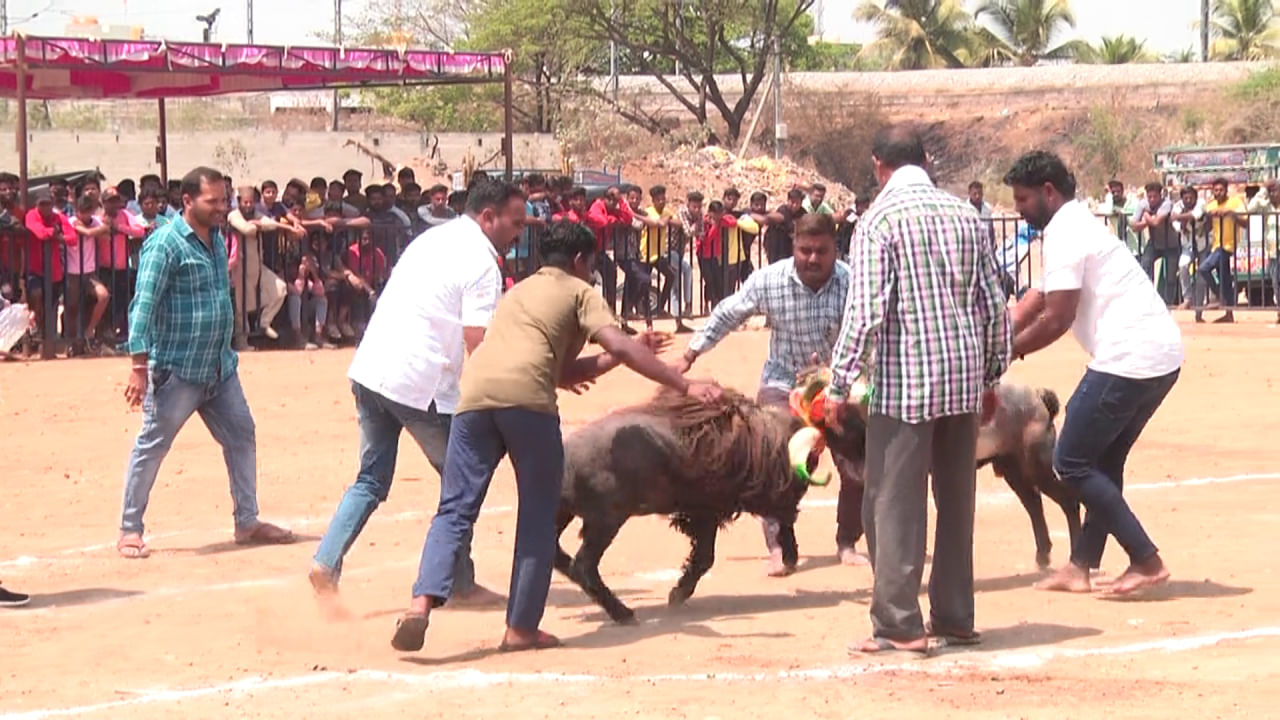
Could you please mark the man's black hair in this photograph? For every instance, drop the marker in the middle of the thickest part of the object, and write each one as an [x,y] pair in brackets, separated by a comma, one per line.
[1188,189]
[975,185]
[318,181]
[410,187]
[563,242]
[269,184]
[87,203]
[191,181]
[536,179]
[1038,167]
[657,190]
[149,176]
[820,186]
[694,197]
[758,196]
[898,145]
[155,193]
[491,194]
[406,172]
[578,191]
[795,194]
[1113,182]
[1220,181]
[1153,186]
[438,188]
[374,189]
[732,192]
[54,182]
[715,206]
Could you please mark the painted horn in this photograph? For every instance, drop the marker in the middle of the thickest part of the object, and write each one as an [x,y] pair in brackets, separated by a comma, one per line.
[804,442]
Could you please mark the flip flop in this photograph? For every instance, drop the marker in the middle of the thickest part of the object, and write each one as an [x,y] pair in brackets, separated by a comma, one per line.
[544,641]
[411,633]
[266,534]
[132,547]
[950,639]
[885,647]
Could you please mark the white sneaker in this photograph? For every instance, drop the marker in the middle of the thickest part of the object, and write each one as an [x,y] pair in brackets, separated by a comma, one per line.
[271,333]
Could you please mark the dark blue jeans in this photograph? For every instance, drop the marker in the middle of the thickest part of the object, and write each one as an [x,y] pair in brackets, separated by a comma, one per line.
[478,441]
[381,421]
[1105,416]
[1224,283]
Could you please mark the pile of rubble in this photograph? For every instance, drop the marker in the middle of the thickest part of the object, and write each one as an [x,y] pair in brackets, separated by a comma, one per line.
[713,169]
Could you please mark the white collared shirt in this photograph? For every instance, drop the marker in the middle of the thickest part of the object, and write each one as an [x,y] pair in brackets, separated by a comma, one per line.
[412,351]
[1120,319]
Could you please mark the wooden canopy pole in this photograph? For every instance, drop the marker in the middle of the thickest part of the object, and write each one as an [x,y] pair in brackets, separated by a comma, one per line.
[508,145]
[162,152]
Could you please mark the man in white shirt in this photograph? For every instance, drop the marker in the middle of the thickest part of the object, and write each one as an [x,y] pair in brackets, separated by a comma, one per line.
[1187,215]
[1093,285]
[405,373]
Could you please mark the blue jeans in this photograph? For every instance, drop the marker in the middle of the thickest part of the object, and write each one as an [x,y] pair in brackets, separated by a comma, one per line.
[1105,416]
[380,423]
[169,402]
[1224,284]
[478,441]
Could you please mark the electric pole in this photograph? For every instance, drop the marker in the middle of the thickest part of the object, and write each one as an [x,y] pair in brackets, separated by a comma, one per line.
[337,40]
[1204,30]
[249,26]
[4,17]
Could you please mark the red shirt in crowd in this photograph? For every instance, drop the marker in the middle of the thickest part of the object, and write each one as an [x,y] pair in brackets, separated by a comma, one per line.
[710,245]
[569,215]
[604,222]
[55,230]
[113,250]
[372,268]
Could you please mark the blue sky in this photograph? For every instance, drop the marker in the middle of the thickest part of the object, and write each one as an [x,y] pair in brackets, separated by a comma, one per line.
[1165,25]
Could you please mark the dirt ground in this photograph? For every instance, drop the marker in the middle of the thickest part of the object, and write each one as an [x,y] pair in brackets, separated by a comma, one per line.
[204,629]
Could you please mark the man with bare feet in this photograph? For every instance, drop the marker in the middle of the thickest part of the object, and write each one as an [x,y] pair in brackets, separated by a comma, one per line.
[405,373]
[1093,285]
[180,324]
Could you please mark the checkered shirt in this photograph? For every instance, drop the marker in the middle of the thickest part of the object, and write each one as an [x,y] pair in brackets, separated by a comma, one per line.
[926,298]
[803,322]
[181,313]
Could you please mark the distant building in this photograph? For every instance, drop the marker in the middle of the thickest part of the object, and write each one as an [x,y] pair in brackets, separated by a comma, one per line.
[87,26]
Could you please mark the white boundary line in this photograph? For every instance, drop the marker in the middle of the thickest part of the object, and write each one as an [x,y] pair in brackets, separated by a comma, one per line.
[1014,660]
[997,497]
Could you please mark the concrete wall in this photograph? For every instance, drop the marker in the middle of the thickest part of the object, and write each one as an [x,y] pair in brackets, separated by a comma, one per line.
[259,155]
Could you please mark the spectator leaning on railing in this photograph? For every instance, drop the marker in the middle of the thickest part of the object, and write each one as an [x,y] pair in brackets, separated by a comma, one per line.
[1154,216]
[1223,214]
[1266,206]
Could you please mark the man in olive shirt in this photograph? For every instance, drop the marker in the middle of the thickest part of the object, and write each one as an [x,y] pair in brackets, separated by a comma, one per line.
[508,406]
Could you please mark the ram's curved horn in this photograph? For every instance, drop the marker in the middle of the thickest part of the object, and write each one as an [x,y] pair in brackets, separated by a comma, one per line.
[804,442]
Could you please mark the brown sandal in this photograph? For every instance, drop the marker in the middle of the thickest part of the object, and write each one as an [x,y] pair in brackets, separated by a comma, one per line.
[131,546]
[544,641]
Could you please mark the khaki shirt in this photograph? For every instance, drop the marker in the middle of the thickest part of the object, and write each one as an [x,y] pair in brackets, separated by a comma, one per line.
[539,326]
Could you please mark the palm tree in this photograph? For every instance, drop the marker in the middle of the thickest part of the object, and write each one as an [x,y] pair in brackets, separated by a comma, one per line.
[1186,55]
[1118,50]
[1027,31]
[1244,30]
[917,34]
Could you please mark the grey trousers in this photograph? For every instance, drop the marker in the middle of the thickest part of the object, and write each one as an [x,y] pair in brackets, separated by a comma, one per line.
[900,458]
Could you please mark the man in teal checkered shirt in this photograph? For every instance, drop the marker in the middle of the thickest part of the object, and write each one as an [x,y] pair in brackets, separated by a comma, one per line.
[180,344]
[925,300]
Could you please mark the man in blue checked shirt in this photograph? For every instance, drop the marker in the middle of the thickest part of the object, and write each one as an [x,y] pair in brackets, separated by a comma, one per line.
[803,299]
[180,344]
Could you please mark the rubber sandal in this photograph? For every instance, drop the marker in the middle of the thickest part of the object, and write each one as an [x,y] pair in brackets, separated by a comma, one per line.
[544,641]
[411,633]
[132,547]
[949,639]
[885,647]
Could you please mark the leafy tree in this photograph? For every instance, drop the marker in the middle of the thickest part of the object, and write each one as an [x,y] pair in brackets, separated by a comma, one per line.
[1117,50]
[1244,30]
[918,34]
[1027,31]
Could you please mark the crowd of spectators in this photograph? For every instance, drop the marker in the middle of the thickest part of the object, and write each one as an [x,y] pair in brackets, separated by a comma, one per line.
[321,250]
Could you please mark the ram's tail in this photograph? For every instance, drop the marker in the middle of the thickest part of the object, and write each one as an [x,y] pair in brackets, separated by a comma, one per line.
[1050,400]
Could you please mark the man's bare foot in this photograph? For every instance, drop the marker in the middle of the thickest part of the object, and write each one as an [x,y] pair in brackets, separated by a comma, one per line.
[1139,576]
[851,557]
[130,545]
[776,567]
[478,596]
[1071,578]
[878,645]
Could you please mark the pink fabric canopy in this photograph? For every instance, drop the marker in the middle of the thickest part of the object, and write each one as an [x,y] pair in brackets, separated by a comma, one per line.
[68,68]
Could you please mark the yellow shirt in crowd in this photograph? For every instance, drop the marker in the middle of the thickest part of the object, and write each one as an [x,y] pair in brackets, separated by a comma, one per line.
[1225,229]
[653,240]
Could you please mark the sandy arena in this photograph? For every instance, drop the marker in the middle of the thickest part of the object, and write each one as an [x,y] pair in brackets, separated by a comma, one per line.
[205,629]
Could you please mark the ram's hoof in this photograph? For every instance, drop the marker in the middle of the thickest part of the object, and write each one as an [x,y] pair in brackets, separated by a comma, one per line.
[1042,561]
[625,616]
[677,596]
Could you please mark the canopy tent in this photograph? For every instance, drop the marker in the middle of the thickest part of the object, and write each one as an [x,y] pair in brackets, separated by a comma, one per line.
[52,68]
